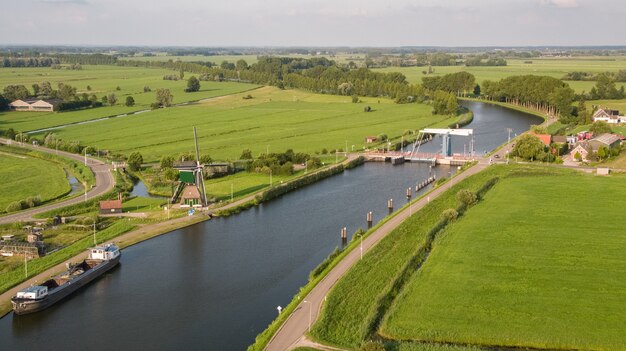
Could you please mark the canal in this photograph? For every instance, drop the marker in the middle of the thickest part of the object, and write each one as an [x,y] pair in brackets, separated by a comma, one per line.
[217,284]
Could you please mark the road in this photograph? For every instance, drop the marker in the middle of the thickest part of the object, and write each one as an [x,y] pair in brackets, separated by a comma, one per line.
[102,171]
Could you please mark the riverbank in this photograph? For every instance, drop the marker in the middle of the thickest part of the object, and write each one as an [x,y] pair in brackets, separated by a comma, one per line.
[149,231]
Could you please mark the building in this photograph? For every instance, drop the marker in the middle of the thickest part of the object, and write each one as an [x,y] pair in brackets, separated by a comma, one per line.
[608,116]
[111,206]
[36,105]
[546,139]
[190,196]
[583,149]
[607,140]
[559,139]
[370,139]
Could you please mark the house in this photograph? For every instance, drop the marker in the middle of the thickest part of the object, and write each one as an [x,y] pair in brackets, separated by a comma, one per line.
[111,206]
[190,197]
[571,140]
[546,139]
[607,140]
[608,116]
[370,139]
[34,105]
[583,149]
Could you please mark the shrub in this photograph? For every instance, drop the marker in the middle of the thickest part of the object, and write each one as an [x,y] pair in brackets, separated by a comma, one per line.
[134,161]
[372,346]
[14,206]
[466,197]
[449,214]
[355,99]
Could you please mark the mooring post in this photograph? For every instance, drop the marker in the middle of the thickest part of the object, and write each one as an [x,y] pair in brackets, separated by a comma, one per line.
[344,235]
[390,205]
[369,219]
[408,193]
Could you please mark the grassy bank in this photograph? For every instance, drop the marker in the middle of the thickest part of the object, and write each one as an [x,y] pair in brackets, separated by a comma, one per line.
[520,270]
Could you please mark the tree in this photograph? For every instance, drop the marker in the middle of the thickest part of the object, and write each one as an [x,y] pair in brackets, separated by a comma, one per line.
[112,99]
[146,89]
[599,128]
[104,99]
[528,147]
[205,159]
[355,99]
[130,101]
[477,90]
[46,88]
[578,156]
[170,174]
[89,88]
[562,99]
[241,65]
[164,97]
[193,85]
[167,162]
[135,160]
[246,154]
[584,117]
[182,73]
[15,92]
[36,89]
[66,92]
[602,152]
[449,214]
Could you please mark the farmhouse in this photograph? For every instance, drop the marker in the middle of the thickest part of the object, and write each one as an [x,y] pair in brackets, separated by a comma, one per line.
[111,206]
[608,116]
[583,149]
[546,139]
[34,105]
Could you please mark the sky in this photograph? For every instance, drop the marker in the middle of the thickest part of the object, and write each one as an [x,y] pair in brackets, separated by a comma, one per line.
[378,23]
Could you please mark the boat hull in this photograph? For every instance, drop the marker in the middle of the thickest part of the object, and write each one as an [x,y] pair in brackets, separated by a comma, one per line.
[26,306]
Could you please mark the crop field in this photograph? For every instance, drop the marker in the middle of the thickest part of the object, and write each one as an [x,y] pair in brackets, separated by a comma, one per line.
[556,68]
[250,59]
[538,263]
[273,119]
[103,80]
[24,176]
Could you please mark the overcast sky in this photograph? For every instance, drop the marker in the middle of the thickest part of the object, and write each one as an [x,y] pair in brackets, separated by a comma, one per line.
[314,22]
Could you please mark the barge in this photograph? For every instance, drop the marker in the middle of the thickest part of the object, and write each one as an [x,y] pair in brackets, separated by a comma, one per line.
[36,298]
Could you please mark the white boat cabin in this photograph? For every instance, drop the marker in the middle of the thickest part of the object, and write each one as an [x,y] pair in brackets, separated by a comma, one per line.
[106,252]
[33,292]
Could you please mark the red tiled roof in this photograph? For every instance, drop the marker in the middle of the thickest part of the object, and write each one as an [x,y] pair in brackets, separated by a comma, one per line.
[545,138]
[110,204]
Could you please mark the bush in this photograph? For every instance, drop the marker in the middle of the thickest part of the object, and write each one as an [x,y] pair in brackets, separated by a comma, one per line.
[355,99]
[134,161]
[372,346]
[14,206]
[466,197]
[449,214]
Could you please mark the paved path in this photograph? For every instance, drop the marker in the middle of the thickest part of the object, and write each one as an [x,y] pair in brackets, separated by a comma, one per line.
[291,334]
[104,183]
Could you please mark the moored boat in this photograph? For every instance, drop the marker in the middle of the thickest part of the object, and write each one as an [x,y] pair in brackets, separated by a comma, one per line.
[36,298]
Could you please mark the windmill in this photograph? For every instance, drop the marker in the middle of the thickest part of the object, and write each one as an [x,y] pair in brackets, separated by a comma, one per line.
[191,187]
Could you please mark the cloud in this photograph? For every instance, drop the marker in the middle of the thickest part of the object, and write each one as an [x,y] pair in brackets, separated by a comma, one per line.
[560,3]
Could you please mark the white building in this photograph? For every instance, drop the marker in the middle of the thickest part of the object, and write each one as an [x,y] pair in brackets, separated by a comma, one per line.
[608,116]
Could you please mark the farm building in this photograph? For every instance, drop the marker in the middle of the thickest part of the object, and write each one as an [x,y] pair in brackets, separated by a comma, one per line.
[546,139]
[608,116]
[34,105]
[559,139]
[370,139]
[111,206]
[607,140]
[583,149]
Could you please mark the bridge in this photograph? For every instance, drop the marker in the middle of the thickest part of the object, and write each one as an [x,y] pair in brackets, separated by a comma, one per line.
[446,157]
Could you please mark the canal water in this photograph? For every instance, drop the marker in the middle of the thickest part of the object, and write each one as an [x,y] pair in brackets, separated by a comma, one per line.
[217,284]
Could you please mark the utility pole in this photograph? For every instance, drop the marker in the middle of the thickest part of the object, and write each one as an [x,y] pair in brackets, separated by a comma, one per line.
[231,191]
[85,156]
[25,265]
[270,177]
[94,234]
[508,146]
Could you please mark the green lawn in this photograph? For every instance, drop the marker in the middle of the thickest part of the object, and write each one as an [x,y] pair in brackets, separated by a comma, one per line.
[273,118]
[538,263]
[24,176]
[553,67]
[103,80]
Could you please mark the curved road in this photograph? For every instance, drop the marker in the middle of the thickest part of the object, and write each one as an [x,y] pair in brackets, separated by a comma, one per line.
[102,171]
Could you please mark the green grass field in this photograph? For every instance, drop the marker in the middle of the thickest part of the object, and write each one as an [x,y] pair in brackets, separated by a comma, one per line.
[278,119]
[24,176]
[538,263]
[103,80]
[553,67]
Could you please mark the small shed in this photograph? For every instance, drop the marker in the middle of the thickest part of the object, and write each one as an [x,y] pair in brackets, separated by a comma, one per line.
[370,139]
[111,206]
[603,171]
